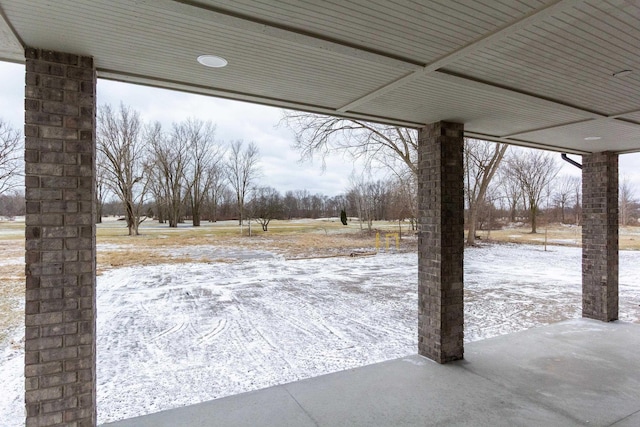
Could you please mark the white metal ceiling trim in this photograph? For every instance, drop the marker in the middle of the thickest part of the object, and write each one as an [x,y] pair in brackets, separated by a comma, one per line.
[11,46]
[524,143]
[623,114]
[617,119]
[240,96]
[560,125]
[513,93]
[593,135]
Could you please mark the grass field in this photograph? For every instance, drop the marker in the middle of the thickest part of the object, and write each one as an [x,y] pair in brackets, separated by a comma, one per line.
[192,314]
[159,244]
[556,234]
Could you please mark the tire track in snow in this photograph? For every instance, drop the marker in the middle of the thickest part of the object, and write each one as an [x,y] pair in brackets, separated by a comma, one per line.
[295,324]
[252,325]
[256,360]
[181,325]
[373,331]
[171,298]
[213,333]
[310,311]
[248,329]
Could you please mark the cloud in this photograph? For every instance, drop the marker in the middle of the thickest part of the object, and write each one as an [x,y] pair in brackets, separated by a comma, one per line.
[628,165]
[12,93]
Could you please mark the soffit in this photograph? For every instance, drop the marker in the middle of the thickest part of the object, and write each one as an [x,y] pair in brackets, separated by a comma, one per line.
[419,32]
[527,72]
[633,117]
[10,47]
[485,110]
[570,57]
[591,136]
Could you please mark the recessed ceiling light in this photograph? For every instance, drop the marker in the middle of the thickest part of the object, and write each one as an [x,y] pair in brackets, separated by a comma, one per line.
[622,73]
[592,138]
[212,61]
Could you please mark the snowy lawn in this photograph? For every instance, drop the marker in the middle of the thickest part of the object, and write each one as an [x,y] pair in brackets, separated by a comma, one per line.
[177,334]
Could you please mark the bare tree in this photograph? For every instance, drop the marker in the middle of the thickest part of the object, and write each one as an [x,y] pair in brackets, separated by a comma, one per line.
[577,198]
[205,159]
[125,153]
[511,190]
[486,215]
[290,205]
[101,185]
[356,201]
[170,158]
[12,204]
[266,204]
[564,193]
[157,185]
[10,144]
[627,200]
[242,171]
[227,206]
[304,203]
[403,189]
[389,146]
[361,196]
[160,201]
[481,161]
[217,188]
[402,203]
[533,170]
[410,190]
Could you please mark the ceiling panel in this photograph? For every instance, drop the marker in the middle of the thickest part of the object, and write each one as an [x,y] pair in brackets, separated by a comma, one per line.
[10,47]
[593,136]
[486,111]
[513,69]
[570,57]
[633,117]
[167,45]
[420,31]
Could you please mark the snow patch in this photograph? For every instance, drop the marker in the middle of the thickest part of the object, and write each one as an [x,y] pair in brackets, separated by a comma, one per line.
[172,335]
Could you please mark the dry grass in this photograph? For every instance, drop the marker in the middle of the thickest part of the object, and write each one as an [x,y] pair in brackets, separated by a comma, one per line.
[292,239]
[11,231]
[129,258]
[159,244]
[557,234]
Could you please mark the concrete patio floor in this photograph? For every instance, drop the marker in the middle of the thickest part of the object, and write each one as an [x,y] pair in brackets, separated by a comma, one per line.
[575,373]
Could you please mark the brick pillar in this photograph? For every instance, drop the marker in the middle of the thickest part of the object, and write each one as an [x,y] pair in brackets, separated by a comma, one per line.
[441,242]
[600,236]
[60,312]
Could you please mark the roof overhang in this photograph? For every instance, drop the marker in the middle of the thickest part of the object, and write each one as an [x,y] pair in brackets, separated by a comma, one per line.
[536,73]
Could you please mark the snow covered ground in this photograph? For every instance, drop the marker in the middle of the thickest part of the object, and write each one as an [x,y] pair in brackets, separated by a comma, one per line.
[172,335]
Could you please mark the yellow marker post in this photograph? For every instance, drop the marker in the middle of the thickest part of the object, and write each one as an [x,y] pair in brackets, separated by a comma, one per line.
[389,236]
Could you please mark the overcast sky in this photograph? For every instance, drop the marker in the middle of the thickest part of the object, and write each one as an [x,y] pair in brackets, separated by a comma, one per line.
[234,120]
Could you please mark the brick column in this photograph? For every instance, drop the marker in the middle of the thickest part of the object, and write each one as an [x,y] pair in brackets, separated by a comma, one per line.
[600,236]
[60,312]
[441,242]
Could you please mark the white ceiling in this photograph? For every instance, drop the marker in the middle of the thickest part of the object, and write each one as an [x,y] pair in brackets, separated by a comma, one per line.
[536,73]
